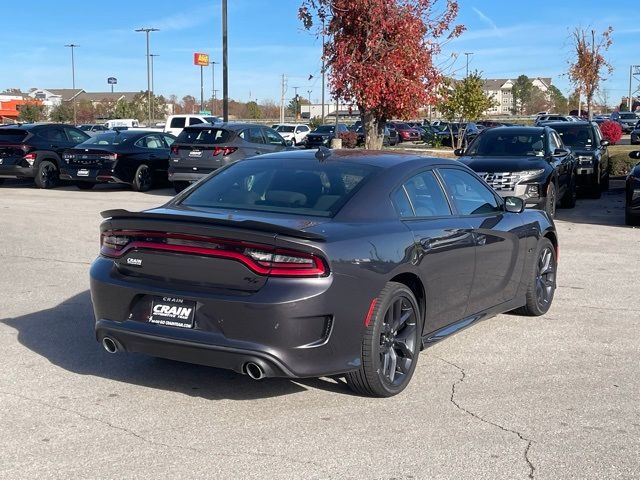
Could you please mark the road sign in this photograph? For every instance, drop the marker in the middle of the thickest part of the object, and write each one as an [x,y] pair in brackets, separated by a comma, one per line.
[112,80]
[204,112]
[201,59]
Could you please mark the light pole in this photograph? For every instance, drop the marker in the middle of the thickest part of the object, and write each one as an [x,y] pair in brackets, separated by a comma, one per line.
[467,55]
[147,31]
[73,46]
[153,76]
[225,65]
[309,94]
[322,116]
[213,87]
[296,103]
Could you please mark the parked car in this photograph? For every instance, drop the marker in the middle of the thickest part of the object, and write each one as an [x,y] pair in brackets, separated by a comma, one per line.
[323,135]
[635,134]
[632,192]
[386,139]
[279,267]
[35,151]
[296,132]
[544,119]
[393,134]
[530,163]
[92,129]
[203,148]
[175,123]
[122,123]
[406,133]
[627,120]
[591,152]
[133,157]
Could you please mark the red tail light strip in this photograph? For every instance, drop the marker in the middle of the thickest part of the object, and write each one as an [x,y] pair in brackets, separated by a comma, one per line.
[282,269]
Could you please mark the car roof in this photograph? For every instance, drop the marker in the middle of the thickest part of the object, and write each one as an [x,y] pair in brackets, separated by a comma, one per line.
[227,125]
[129,133]
[517,130]
[564,124]
[375,158]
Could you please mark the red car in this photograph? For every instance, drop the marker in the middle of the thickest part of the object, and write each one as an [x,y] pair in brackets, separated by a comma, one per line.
[406,133]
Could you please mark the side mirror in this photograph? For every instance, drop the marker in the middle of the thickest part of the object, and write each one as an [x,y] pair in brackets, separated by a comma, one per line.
[458,152]
[560,152]
[288,143]
[635,154]
[604,143]
[514,204]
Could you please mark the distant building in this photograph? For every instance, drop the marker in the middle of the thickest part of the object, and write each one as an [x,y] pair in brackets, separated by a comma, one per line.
[500,91]
[10,109]
[52,97]
[99,97]
[345,110]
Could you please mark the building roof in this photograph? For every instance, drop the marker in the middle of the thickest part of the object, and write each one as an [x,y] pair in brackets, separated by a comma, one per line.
[99,96]
[498,83]
[65,94]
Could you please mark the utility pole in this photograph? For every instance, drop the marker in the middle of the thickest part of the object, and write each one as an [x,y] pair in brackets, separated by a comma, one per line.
[283,89]
[225,65]
[201,88]
[323,74]
[629,102]
[309,94]
[152,71]
[73,46]
[296,102]
[213,87]
[467,55]
[147,31]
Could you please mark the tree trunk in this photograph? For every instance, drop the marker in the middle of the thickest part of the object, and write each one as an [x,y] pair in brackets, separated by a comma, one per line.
[373,131]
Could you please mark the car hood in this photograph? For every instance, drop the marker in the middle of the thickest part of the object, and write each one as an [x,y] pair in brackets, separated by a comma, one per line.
[504,164]
[583,151]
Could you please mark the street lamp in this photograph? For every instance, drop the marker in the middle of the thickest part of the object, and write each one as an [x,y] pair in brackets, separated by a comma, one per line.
[152,71]
[147,31]
[225,65]
[213,87]
[467,55]
[309,93]
[73,46]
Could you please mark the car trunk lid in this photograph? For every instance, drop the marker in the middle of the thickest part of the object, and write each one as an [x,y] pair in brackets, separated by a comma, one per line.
[89,157]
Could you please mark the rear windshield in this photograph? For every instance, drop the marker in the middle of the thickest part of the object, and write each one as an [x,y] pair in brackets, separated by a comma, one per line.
[285,129]
[325,129]
[10,135]
[507,144]
[111,138]
[282,185]
[575,135]
[208,136]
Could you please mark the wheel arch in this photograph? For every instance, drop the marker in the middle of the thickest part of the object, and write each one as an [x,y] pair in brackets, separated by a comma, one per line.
[413,283]
[553,238]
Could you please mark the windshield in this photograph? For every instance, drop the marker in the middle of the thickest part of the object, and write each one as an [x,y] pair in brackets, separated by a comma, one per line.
[285,129]
[628,116]
[85,128]
[507,144]
[576,135]
[282,185]
[325,129]
[112,138]
[11,135]
[208,136]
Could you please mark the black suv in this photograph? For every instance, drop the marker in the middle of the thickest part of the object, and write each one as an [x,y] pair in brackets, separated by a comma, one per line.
[323,135]
[592,155]
[527,162]
[35,151]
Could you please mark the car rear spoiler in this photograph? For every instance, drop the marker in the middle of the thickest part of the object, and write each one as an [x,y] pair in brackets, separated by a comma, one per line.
[244,224]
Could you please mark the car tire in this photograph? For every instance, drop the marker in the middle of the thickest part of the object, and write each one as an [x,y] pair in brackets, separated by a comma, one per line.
[143,179]
[47,175]
[180,186]
[391,342]
[551,203]
[541,285]
[85,185]
[631,220]
[569,198]
[604,185]
[1,181]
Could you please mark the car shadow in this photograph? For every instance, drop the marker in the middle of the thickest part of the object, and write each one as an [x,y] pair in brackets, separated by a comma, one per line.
[607,210]
[64,336]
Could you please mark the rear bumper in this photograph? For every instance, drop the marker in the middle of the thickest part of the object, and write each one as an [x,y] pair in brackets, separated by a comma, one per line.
[180,175]
[94,175]
[16,171]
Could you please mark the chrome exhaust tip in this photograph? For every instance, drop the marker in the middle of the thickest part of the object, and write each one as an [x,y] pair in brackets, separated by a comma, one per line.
[109,345]
[254,370]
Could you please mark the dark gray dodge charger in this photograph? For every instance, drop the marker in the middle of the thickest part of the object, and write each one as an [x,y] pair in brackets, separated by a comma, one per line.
[316,263]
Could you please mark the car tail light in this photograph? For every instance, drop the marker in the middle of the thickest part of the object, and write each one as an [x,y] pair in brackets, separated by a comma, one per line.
[111,156]
[175,150]
[261,259]
[30,158]
[224,151]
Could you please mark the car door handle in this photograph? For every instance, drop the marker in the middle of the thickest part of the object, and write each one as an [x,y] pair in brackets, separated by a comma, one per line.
[426,244]
[481,239]
[258,153]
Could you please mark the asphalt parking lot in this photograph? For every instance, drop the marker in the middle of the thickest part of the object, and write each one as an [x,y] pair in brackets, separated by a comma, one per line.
[553,397]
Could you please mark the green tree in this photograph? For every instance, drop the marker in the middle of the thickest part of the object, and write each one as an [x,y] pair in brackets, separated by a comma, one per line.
[61,113]
[253,110]
[539,102]
[522,91]
[558,101]
[30,112]
[295,108]
[464,100]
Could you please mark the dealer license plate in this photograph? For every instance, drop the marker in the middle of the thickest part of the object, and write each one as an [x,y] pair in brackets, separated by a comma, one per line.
[172,312]
[83,172]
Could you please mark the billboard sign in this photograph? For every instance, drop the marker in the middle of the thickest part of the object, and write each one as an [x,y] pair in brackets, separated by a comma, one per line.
[201,59]
[112,80]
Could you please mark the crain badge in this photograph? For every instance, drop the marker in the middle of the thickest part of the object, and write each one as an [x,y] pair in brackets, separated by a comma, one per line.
[136,262]
[171,312]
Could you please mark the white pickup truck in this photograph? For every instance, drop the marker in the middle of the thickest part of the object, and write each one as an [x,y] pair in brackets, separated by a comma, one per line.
[175,123]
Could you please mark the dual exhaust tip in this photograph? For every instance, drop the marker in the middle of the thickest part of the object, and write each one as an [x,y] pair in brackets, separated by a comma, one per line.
[254,370]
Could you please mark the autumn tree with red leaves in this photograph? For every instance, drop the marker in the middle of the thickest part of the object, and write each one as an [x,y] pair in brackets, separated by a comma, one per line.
[380,53]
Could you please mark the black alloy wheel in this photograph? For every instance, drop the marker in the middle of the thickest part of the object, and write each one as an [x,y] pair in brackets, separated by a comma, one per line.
[390,345]
[570,196]
[46,175]
[550,206]
[542,281]
[143,179]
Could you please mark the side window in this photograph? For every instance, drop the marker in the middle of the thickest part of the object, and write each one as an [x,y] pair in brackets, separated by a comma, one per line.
[253,135]
[469,195]
[273,138]
[54,134]
[150,141]
[168,140]
[401,203]
[557,140]
[195,121]
[426,196]
[75,136]
[552,142]
[598,134]
[177,122]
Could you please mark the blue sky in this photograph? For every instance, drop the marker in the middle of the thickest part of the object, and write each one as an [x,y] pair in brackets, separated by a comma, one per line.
[266,40]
